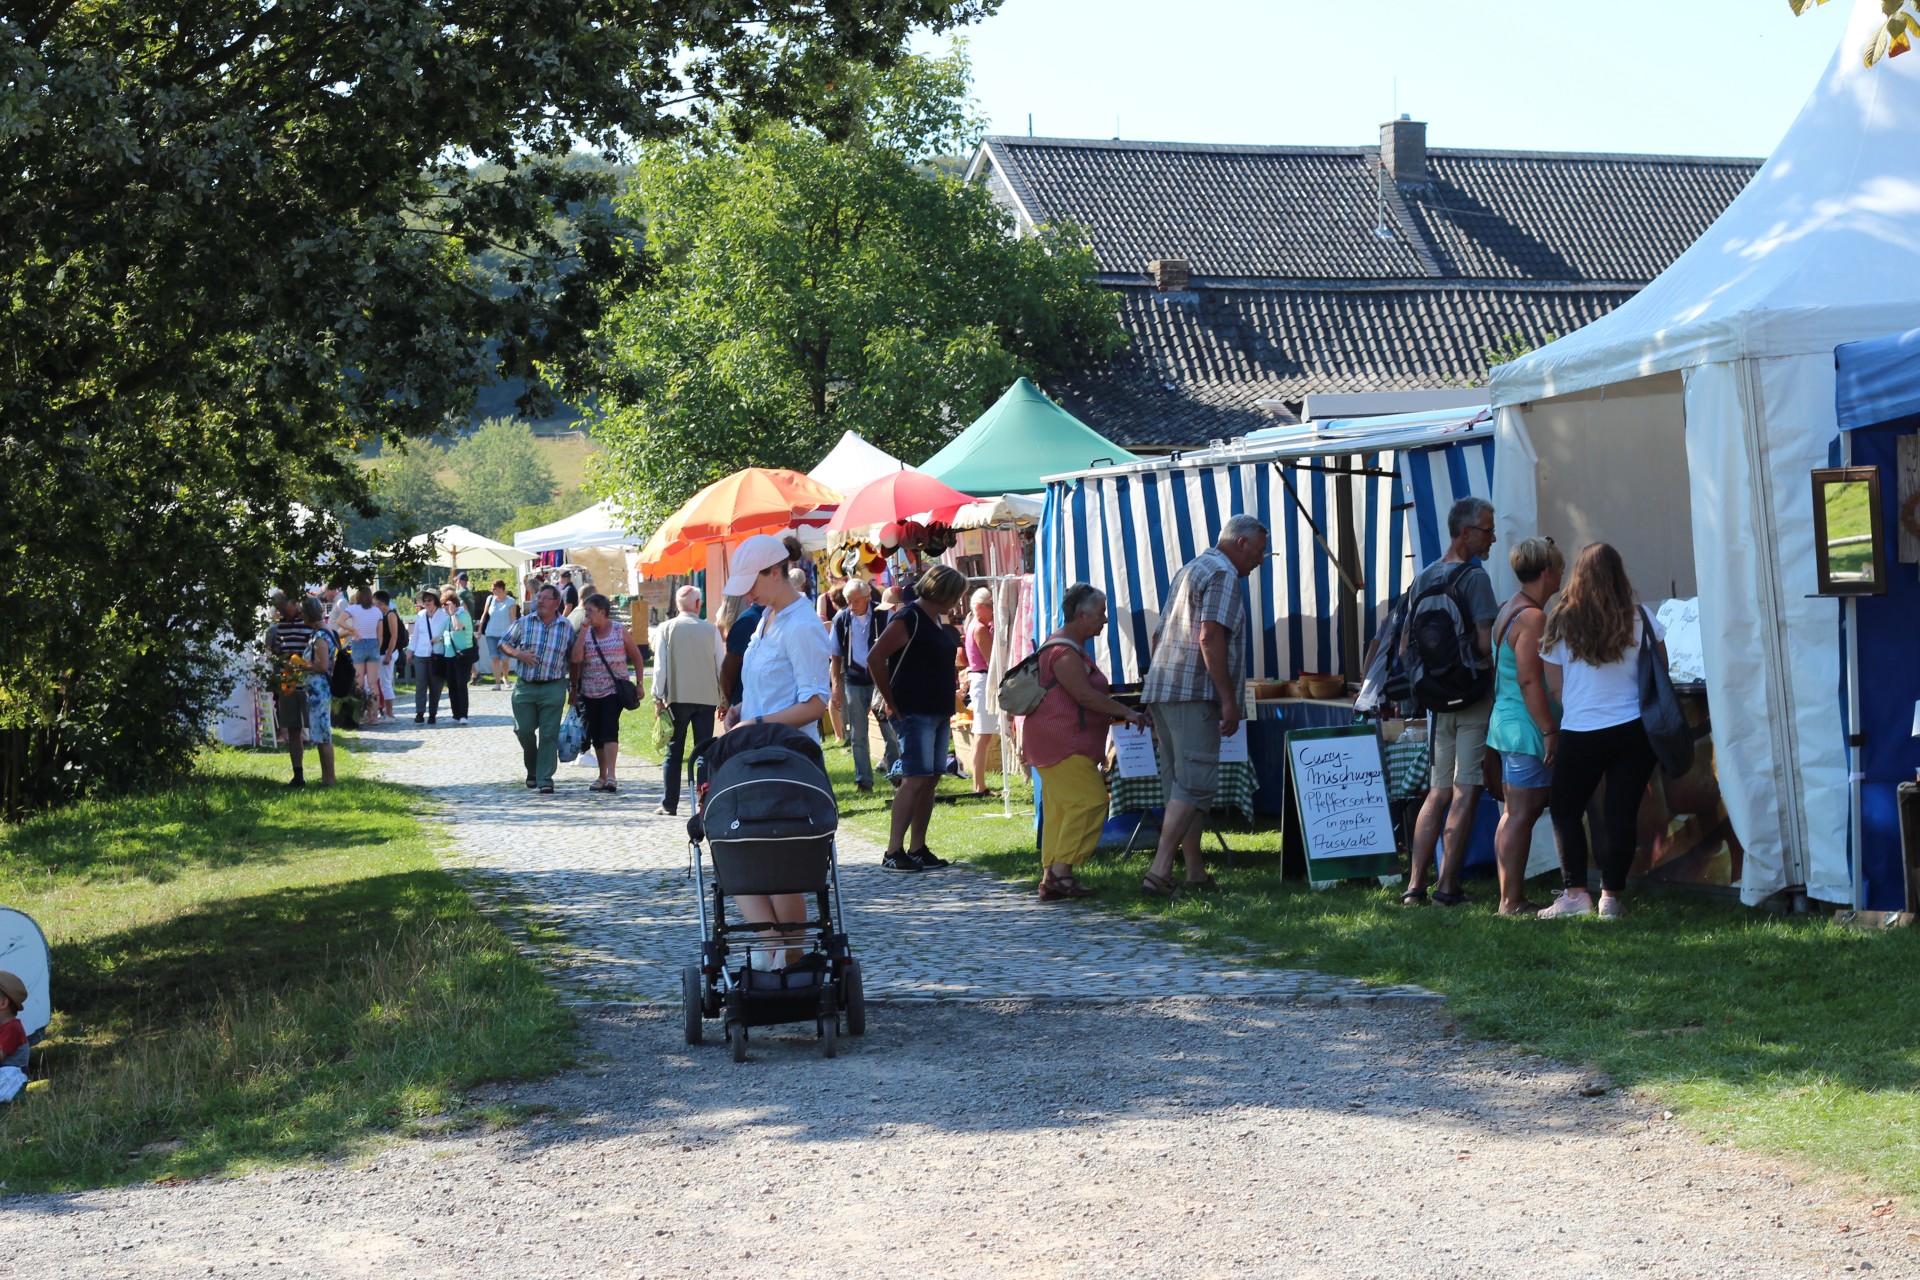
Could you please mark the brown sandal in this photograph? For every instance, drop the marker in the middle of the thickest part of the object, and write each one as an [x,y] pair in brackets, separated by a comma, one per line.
[1054,888]
[1157,887]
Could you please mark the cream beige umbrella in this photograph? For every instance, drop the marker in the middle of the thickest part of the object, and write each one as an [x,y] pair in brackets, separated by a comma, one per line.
[457,547]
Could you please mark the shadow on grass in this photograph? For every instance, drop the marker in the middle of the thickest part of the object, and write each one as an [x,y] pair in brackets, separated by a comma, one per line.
[275,1026]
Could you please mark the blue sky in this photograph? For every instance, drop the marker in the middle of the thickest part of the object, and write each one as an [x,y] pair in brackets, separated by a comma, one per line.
[1687,77]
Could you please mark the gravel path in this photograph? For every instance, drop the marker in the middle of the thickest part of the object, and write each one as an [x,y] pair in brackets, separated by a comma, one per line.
[1301,1136]
[960,1140]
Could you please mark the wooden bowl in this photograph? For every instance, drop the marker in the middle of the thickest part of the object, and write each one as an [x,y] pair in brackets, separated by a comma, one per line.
[1323,686]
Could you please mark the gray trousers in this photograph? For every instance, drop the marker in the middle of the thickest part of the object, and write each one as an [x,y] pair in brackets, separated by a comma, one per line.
[859,712]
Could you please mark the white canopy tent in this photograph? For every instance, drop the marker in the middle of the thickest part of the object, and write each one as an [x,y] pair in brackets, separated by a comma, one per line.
[598,526]
[1682,427]
[852,463]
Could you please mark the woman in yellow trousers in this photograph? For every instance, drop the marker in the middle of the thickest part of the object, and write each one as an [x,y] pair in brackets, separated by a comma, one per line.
[1065,737]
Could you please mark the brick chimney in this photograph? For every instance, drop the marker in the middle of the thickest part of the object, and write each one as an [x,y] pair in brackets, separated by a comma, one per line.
[1403,149]
[1170,275]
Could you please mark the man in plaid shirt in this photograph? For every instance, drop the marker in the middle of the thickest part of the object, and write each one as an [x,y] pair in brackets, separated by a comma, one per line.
[1192,692]
[539,644]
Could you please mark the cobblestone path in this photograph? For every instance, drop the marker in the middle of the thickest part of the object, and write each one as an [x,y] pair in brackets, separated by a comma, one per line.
[612,877]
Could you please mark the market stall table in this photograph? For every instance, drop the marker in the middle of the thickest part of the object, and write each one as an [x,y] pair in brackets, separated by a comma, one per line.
[1143,795]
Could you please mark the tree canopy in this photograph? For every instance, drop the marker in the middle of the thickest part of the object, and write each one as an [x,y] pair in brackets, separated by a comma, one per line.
[499,470]
[802,283]
[236,240]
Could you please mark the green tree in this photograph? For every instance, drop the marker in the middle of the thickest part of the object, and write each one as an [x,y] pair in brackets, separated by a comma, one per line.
[236,240]
[803,284]
[499,469]
[408,498]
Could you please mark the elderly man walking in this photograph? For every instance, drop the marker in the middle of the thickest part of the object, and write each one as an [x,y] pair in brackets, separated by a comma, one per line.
[1192,692]
[855,628]
[686,684]
[539,645]
[1462,599]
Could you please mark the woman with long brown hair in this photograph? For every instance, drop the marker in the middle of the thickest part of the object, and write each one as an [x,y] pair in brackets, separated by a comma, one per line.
[1591,647]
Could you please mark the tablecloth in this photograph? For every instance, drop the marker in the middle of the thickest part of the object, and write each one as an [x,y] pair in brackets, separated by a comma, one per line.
[1407,767]
[1136,795]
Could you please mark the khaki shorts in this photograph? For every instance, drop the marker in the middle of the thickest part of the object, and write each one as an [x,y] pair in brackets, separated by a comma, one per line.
[1186,740]
[1460,746]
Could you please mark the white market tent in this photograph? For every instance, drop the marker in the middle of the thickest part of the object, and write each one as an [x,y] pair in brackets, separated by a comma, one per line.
[1682,428]
[852,463]
[598,526]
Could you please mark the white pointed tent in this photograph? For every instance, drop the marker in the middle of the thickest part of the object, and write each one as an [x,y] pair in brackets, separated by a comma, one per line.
[1682,428]
[852,463]
[598,526]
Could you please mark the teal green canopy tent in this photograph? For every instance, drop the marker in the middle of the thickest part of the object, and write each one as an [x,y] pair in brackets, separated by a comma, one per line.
[1023,437]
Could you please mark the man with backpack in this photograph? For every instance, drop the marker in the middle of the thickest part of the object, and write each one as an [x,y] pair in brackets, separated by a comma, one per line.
[1447,648]
[855,628]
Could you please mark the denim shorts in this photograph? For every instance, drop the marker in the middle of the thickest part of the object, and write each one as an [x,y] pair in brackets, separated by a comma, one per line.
[923,744]
[1524,770]
[366,651]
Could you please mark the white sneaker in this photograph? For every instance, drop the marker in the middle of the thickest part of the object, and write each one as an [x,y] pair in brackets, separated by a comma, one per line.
[1567,904]
[1613,908]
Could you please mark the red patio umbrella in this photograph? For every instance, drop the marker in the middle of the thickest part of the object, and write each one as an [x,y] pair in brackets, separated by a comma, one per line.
[898,495]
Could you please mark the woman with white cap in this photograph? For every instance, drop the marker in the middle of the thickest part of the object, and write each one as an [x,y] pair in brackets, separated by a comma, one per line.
[785,678]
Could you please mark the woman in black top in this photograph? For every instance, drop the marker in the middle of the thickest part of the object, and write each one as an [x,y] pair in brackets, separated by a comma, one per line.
[912,667]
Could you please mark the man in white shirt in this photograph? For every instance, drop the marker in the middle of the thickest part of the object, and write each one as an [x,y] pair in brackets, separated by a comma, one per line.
[855,628]
[688,651]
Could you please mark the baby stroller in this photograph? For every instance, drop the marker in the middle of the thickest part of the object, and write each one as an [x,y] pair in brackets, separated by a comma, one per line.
[765,810]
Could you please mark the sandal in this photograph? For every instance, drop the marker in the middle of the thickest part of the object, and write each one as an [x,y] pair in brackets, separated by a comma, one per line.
[1158,887]
[1451,899]
[1414,898]
[1054,889]
[1206,884]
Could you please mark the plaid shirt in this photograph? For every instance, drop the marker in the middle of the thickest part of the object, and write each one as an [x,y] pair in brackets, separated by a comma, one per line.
[1207,589]
[550,643]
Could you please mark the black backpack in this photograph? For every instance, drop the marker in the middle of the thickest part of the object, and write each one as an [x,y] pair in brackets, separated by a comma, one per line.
[1443,663]
[343,679]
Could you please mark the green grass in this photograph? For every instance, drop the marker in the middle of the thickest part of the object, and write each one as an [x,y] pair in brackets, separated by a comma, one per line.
[1789,1036]
[246,975]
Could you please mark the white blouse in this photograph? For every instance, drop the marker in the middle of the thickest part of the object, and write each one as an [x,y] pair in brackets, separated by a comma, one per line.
[787,662]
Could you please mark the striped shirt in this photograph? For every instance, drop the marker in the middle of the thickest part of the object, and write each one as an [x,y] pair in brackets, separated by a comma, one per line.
[550,643]
[288,638]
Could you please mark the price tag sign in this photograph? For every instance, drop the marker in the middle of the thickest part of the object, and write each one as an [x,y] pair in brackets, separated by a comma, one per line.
[1340,790]
[1133,752]
[1233,748]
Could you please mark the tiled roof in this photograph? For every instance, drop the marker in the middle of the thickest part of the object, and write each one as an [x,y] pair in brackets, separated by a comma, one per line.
[1314,271]
[1201,361]
[1306,213]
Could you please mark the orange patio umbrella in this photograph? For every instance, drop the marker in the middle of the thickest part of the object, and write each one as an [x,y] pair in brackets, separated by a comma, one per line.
[752,500]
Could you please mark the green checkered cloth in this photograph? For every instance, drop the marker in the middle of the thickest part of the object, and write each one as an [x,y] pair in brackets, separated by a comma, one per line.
[1136,795]
[1407,768]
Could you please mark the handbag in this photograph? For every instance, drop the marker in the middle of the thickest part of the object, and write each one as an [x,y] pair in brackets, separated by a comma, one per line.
[572,738]
[1020,689]
[1667,728]
[626,691]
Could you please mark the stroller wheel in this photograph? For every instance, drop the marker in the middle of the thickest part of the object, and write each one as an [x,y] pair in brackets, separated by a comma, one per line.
[690,1001]
[737,1040]
[829,1037]
[853,993]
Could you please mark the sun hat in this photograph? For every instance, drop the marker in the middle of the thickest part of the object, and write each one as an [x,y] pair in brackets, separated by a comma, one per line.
[761,551]
[14,990]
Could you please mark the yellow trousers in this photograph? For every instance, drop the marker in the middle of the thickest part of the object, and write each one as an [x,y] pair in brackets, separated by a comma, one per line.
[1075,799]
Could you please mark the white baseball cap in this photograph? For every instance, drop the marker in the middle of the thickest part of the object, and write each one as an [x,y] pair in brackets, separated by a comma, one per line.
[760,552]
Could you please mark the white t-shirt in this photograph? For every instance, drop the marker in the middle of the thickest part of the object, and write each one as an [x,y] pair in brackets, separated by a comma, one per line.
[366,621]
[1600,697]
[787,663]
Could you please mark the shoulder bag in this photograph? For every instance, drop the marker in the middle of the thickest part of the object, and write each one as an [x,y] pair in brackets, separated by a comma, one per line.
[625,691]
[1666,724]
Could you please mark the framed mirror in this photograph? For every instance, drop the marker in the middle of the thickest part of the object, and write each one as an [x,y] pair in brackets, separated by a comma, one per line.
[1848,532]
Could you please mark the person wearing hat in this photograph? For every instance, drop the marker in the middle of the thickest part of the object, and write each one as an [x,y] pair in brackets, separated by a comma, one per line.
[13,1036]
[784,678]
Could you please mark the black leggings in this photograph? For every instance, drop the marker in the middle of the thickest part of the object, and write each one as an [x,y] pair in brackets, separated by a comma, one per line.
[1622,756]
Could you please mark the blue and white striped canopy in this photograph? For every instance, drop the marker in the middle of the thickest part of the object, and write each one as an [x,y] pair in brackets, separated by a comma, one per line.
[1128,532]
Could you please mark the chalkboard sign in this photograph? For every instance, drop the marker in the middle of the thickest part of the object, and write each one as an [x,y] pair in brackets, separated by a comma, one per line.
[1340,790]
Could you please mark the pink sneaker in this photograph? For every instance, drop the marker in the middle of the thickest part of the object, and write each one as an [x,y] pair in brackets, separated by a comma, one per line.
[1567,904]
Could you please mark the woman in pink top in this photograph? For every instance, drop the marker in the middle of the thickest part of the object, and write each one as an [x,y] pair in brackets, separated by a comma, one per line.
[979,644]
[1066,737]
